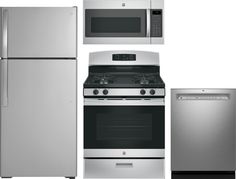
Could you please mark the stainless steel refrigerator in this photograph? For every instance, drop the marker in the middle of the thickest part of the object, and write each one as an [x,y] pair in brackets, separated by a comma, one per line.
[38,91]
[203,132]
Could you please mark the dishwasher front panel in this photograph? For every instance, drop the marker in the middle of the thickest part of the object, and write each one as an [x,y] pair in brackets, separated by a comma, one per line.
[202,129]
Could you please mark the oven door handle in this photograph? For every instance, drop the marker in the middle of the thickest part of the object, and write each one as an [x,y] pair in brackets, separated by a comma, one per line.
[148,23]
[124,102]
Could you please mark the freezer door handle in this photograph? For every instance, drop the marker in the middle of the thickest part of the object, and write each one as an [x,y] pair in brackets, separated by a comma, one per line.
[5,36]
[124,165]
[4,68]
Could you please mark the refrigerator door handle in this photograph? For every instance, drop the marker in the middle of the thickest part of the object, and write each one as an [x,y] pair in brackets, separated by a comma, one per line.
[4,68]
[148,25]
[5,36]
[4,82]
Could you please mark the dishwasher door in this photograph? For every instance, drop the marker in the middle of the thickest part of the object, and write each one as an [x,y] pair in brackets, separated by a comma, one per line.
[203,129]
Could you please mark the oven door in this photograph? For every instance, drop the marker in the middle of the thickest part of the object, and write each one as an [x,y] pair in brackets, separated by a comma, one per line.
[115,23]
[124,124]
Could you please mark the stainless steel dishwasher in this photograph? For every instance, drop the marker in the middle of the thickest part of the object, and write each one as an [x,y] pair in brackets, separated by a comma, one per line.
[203,130]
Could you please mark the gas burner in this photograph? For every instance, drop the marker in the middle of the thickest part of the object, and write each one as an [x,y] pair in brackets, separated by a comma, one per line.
[144,81]
[102,79]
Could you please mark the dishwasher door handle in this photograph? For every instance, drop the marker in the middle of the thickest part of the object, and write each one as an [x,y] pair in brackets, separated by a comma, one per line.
[209,96]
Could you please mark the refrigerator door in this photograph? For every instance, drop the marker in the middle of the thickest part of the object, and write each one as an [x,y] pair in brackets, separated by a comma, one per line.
[39,32]
[203,129]
[38,122]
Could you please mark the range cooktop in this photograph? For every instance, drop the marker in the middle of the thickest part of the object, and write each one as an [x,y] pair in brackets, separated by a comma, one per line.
[125,80]
[124,73]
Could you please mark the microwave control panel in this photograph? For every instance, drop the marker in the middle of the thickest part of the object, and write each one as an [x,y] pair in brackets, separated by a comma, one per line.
[156,23]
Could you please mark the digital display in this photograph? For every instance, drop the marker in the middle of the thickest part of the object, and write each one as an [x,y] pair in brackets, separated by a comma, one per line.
[156,12]
[124,57]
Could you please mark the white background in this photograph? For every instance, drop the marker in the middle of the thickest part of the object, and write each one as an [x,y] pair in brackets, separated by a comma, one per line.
[199,50]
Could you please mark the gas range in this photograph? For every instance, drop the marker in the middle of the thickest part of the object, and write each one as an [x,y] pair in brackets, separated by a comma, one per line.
[124,123]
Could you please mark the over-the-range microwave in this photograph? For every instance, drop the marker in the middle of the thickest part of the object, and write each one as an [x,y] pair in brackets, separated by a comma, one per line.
[123,21]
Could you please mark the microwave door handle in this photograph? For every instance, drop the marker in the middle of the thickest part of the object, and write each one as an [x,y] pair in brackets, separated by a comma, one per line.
[148,27]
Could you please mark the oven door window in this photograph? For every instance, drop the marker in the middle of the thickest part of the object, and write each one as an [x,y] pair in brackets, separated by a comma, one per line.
[124,127]
[115,23]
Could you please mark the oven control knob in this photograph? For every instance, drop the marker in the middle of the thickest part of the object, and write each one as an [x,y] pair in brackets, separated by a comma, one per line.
[105,91]
[142,92]
[95,92]
[152,91]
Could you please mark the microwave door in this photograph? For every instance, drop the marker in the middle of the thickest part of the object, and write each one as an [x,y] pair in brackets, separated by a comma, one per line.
[117,23]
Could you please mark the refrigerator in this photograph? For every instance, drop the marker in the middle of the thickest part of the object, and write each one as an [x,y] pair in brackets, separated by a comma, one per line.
[203,133]
[38,50]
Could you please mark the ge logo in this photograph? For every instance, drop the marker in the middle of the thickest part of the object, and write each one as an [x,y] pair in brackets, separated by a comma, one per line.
[123,4]
[124,153]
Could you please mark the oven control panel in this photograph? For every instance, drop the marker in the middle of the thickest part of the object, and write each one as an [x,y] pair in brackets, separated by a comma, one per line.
[124,92]
[156,23]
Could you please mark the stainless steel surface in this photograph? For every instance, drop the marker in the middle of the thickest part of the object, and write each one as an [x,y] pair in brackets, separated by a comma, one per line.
[122,40]
[148,22]
[116,40]
[122,4]
[41,32]
[142,58]
[4,82]
[5,34]
[118,4]
[136,168]
[203,129]
[159,4]
[38,127]
[124,102]
[124,92]
[145,153]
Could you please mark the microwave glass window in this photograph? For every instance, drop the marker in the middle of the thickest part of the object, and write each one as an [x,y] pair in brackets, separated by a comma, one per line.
[124,127]
[115,25]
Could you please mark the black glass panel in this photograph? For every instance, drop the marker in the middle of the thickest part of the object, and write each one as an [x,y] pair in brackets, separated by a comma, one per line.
[115,25]
[124,127]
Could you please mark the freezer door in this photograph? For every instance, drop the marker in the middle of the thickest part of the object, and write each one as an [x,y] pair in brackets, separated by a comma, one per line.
[203,130]
[41,32]
[38,122]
